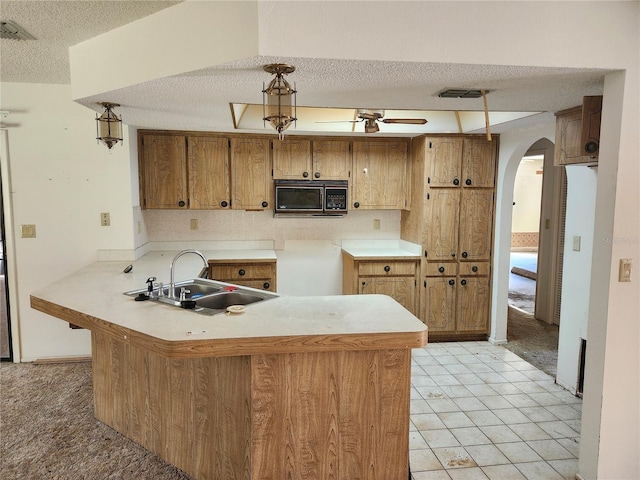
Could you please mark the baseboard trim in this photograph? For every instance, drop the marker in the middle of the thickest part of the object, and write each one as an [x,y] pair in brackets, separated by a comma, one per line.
[50,360]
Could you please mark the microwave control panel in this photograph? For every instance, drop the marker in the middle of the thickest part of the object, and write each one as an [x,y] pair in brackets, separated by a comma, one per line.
[335,198]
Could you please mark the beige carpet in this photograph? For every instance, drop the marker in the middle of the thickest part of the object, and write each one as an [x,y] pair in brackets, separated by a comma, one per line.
[47,430]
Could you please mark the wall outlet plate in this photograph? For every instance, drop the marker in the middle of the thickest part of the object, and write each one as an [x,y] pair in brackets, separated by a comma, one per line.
[624,275]
[105,219]
[28,231]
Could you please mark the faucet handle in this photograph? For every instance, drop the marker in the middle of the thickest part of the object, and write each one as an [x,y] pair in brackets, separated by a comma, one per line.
[183,293]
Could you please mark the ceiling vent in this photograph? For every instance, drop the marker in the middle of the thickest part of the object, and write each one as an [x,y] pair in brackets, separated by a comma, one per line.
[12,31]
[461,93]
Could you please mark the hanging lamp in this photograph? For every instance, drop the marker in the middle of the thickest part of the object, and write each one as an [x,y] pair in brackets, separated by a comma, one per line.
[279,98]
[109,125]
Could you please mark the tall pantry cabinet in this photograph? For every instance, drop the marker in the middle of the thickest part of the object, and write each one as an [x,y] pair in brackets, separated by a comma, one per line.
[452,217]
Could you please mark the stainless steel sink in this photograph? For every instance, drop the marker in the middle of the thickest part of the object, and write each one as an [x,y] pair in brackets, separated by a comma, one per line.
[220,301]
[204,296]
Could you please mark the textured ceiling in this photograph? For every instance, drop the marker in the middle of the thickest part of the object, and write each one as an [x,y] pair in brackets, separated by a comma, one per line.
[57,25]
[200,100]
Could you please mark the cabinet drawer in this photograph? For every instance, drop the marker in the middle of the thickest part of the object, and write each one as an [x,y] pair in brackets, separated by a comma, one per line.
[265,284]
[469,269]
[441,269]
[240,272]
[387,268]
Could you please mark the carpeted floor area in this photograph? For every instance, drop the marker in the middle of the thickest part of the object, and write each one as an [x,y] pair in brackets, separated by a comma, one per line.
[73,445]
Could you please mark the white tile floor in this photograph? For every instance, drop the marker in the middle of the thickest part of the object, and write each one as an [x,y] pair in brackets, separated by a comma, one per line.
[478,412]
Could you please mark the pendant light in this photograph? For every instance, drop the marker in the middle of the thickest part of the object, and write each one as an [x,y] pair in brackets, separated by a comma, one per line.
[279,98]
[109,125]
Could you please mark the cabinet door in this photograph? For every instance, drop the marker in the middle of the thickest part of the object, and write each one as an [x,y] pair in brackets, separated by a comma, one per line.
[292,159]
[379,175]
[473,304]
[209,173]
[251,181]
[441,231]
[401,289]
[478,163]
[331,159]
[476,224]
[444,161]
[568,148]
[163,171]
[440,297]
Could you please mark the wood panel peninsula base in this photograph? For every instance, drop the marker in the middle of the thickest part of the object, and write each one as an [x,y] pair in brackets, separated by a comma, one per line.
[321,415]
[294,388]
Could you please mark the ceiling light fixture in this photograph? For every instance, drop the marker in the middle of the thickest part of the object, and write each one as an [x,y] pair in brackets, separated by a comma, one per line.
[109,125]
[279,98]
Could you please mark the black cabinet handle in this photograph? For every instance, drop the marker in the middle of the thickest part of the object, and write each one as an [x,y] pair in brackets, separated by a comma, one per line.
[181,203]
[305,174]
[467,181]
[453,254]
[224,204]
[265,204]
[441,269]
[241,272]
[463,282]
[356,204]
[317,174]
[465,254]
[474,269]
[452,282]
[387,268]
[266,285]
[456,181]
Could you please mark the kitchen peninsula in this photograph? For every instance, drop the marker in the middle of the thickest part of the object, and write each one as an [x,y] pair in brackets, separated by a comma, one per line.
[294,387]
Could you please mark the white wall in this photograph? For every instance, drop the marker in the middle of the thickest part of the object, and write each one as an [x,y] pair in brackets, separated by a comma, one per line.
[61,182]
[582,182]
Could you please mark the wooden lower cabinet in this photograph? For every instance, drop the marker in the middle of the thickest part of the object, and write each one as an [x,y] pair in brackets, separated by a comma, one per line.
[393,277]
[456,300]
[331,415]
[260,274]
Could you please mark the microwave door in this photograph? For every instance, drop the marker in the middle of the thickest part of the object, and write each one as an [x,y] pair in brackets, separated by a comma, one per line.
[298,199]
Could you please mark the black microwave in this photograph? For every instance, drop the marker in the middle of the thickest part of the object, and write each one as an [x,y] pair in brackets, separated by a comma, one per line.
[311,197]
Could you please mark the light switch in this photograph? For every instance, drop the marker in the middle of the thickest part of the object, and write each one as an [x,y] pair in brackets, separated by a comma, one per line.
[625,270]
[376,224]
[193,224]
[28,231]
[576,243]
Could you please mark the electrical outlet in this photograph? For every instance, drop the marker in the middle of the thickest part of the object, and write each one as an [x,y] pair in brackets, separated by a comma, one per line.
[105,219]
[193,224]
[625,270]
[376,224]
[28,231]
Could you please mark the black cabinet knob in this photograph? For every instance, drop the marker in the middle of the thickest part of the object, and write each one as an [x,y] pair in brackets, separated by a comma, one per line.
[265,204]
[224,204]
[452,282]
[305,174]
[463,282]
[474,269]
[465,254]
[456,181]
[266,285]
[387,268]
[317,174]
[591,147]
[241,272]
[441,269]
[181,203]
[453,254]
[356,204]
[467,181]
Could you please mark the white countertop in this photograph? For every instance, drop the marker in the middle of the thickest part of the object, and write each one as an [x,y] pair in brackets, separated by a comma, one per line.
[389,249]
[94,295]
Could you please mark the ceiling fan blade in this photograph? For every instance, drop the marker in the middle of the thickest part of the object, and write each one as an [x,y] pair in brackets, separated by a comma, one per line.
[339,121]
[408,121]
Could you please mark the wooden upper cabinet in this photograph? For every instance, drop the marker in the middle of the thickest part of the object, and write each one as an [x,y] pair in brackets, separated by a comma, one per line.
[578,133]
[444,161]
[251,180]
[163,171]
[300,159]
[441,231]
[292,159]
[379,175]
[476,224]
[209,173]
[478,163]
[331,159]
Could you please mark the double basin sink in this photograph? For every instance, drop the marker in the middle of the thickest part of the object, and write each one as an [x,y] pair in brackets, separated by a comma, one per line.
[204,296]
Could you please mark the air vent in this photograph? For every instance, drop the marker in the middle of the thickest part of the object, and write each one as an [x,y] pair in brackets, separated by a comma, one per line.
[12,31]
[461,93]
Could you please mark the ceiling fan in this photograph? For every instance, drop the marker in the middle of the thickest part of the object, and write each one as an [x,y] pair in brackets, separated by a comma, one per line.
[372,117]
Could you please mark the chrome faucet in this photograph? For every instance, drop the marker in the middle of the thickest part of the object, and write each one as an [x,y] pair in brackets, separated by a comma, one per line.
[172,284]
